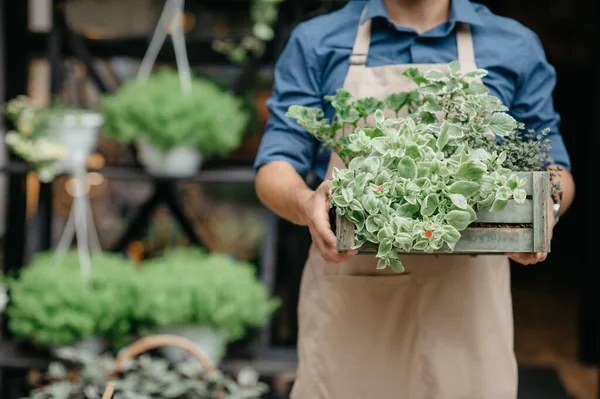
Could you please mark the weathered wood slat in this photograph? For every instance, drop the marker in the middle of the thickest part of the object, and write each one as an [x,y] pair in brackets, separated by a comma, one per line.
[541,212]
[513,213]
[535,212]
[482,241]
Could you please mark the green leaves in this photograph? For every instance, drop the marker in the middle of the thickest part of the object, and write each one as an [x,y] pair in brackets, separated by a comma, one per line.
[374,223]
[443,138]
[368,106]
[519,195]
[459,200]
[415,75]
[454,67]
[458,219]
[385,247]
[504,193]
[466,188]
[502,124]
[435,76]
[414,182]
[397,101]
[430,205]
[142,377]
[471,170]
[478,88]
[209,118]
[407,168]
[498,205]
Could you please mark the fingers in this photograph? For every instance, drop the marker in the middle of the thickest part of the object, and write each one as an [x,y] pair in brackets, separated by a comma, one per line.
[528,259]
[320,228]
[329,252]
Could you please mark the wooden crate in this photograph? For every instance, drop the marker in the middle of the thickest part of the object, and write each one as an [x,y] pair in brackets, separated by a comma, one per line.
[518,228]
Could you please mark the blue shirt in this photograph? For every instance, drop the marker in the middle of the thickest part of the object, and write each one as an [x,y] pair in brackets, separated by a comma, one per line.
[315,62]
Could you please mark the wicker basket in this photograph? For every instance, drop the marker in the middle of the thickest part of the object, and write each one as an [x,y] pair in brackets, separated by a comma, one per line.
[156,341]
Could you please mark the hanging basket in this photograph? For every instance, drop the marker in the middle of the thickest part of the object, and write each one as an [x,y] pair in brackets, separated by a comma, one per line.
[177,162]
[78,131]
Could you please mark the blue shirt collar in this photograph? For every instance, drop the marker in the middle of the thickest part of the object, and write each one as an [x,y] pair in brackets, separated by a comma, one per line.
[460,11]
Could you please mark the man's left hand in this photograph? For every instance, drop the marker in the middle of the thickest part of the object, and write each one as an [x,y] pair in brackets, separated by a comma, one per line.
[532,258]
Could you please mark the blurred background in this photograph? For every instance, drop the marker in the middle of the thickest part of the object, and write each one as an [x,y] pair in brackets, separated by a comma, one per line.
[81,51]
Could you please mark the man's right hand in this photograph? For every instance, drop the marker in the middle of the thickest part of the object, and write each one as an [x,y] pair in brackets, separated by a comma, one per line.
[316,213]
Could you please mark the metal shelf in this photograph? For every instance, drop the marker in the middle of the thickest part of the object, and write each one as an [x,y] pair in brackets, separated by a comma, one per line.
[242,175]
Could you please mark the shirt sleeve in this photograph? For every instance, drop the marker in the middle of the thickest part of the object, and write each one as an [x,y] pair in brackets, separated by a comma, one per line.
[297,82]
[533,103]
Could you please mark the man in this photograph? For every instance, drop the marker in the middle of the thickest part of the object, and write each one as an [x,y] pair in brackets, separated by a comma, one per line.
[444,328]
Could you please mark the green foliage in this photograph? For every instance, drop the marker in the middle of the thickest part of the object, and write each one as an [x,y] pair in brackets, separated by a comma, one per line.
[79,375]
[209,118]
[413,183]
[264,15]
[190,287]
[51,305]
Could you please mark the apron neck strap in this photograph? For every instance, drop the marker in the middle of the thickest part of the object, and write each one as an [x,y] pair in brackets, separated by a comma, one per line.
[360,51]
[464,44]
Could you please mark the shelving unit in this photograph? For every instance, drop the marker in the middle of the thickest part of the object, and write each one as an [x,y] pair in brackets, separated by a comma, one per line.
[61,43]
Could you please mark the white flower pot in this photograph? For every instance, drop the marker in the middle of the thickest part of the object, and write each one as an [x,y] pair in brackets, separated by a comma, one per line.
[78,132]
[177,162]
[212,343]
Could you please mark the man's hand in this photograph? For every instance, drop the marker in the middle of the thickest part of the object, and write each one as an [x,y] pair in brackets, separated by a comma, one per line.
[316,211]
[536,257]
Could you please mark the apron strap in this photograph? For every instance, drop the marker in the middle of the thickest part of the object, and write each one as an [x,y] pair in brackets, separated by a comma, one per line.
[360,51]
[464,44]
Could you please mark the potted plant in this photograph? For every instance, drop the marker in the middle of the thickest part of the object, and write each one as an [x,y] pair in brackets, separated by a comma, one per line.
[50,139]
[52,306]
[208,298]
[414,183]
[174,131]
[80,375]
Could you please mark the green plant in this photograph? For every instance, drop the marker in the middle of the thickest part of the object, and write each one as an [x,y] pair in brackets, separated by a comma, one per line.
[52,306]
[209,118]
[79,375]
[190,287]
[264,14]
[413,183]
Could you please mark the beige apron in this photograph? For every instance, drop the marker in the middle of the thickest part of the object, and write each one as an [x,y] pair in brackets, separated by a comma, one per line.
[442,330]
